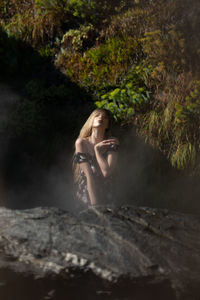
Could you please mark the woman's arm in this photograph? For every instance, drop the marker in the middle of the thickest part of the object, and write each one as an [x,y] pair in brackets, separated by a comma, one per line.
[106,164]
[80,147]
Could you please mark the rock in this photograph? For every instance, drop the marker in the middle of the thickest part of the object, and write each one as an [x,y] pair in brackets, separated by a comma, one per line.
[126,248]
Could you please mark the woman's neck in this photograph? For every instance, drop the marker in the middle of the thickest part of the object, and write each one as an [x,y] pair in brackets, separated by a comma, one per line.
[97,136]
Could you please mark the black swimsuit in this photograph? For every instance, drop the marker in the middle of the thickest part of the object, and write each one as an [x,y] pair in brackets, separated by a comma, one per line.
[103,185]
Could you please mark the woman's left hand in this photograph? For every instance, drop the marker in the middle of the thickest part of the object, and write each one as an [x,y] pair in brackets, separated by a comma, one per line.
[105,144]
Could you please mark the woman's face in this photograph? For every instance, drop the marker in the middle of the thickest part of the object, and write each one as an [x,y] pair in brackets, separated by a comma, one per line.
[101,120]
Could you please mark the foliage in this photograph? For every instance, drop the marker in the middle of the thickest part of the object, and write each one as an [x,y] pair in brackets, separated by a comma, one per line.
[140,59]
[106,63]
[37,23]
[78,39]
[175,129]
[43,21]
[133,22]
[190,109]
[156,47]
[128,99]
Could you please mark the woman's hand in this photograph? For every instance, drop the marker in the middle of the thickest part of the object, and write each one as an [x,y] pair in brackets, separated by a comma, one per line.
[107,163]
[106,144]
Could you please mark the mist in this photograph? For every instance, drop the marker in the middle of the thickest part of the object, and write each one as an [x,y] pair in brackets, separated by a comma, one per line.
[143,176]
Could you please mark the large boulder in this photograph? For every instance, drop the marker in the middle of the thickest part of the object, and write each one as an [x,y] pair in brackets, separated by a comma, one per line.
[127,249]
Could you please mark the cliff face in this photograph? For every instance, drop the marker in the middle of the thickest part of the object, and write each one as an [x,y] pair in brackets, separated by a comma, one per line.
[102,251]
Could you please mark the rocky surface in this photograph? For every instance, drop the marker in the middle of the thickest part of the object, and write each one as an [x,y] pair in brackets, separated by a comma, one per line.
[106,249]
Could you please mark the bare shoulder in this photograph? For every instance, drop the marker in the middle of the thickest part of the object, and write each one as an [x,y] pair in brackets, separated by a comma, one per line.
[81,144]
[80,141]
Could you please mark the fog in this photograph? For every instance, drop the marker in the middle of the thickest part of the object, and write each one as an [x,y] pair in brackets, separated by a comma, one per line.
[143,176]
[146,178]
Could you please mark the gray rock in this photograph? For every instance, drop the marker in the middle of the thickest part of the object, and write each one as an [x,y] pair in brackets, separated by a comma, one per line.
[139,246]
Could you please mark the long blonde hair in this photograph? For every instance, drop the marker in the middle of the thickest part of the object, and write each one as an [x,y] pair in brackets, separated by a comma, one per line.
[86,131]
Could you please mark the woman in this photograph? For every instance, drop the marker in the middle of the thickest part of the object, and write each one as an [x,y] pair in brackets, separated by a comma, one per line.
[95,159]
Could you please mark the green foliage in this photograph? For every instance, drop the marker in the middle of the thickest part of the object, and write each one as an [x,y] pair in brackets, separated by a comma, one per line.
[46,52]
[189,110]
[139,60]
[100,66]
[83,9]
[184,156]
[130,98]
[124,103]
[77,39]
[94,11]
[42,21]
[192,101]
[165,48]
[133,22]
[175,129]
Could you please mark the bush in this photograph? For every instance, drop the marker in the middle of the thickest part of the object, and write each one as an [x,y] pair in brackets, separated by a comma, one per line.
[78,39]
[101,66]
[130,98]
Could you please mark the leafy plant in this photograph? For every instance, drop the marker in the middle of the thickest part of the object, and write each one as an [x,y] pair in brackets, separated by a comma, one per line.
[130,98]
[125,102]
[78,39]
[100,66]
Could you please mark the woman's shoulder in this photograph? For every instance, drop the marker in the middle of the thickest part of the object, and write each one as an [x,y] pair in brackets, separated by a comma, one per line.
[81,144]
[80,141]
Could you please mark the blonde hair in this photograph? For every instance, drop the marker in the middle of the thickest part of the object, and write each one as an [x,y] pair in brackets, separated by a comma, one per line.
[86,131]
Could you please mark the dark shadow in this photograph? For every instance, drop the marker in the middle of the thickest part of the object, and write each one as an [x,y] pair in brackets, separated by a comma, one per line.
[44,110]
[81,286]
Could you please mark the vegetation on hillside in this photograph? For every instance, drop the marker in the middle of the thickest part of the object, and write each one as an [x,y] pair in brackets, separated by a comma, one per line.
[139,59]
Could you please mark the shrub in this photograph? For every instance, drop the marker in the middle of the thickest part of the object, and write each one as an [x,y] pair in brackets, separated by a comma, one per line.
[78,39]
[130,98]
[101,66]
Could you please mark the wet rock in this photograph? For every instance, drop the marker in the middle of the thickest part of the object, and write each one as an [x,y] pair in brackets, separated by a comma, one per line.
[118,247]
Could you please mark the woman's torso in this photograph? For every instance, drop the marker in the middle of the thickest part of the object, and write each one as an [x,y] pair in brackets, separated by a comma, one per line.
[103,185]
